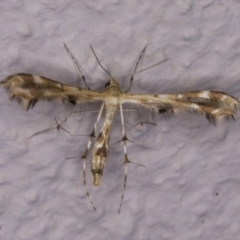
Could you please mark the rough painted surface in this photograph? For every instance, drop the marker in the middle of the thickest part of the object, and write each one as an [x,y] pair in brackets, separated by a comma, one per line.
[190,188]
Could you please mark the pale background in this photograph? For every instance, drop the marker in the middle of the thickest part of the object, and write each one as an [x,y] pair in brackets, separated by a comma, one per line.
[190,188]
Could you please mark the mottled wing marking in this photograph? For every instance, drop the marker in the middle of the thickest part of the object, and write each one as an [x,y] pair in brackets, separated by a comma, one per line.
[28,89]
[213,105]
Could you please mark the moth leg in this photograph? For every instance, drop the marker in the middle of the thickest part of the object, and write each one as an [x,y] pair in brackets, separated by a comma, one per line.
[135,69]
[58,127]
[84,156]
[86,111]
[76,64]
[126,160]
[142,122]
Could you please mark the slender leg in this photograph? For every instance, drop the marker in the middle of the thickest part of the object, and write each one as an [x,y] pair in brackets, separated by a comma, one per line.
[84,156]
[76,64]
[135,69]
[58,127]
[154,65]
[126,161]
[142,122]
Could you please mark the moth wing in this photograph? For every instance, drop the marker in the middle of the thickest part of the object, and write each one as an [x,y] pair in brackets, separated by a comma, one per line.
[212,105]
[29,89]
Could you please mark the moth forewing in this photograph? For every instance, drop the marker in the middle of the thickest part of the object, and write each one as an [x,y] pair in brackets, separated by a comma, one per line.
[214,105]
[29,89]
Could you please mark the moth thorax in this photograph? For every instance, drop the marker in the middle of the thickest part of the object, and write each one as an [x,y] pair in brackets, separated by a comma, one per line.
[97,169]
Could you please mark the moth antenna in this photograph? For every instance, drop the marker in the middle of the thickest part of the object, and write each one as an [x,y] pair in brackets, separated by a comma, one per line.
[126,161]
[100,62]
[76,64]
[135,69]
[84,156]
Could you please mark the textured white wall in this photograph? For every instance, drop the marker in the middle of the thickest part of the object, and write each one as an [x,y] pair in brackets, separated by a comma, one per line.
[190,188]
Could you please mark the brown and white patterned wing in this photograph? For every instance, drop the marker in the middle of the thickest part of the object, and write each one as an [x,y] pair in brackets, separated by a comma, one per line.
[209,98]
[213,105]
[29,89]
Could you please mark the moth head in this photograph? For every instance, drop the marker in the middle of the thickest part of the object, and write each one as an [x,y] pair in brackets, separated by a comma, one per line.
[111,83]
